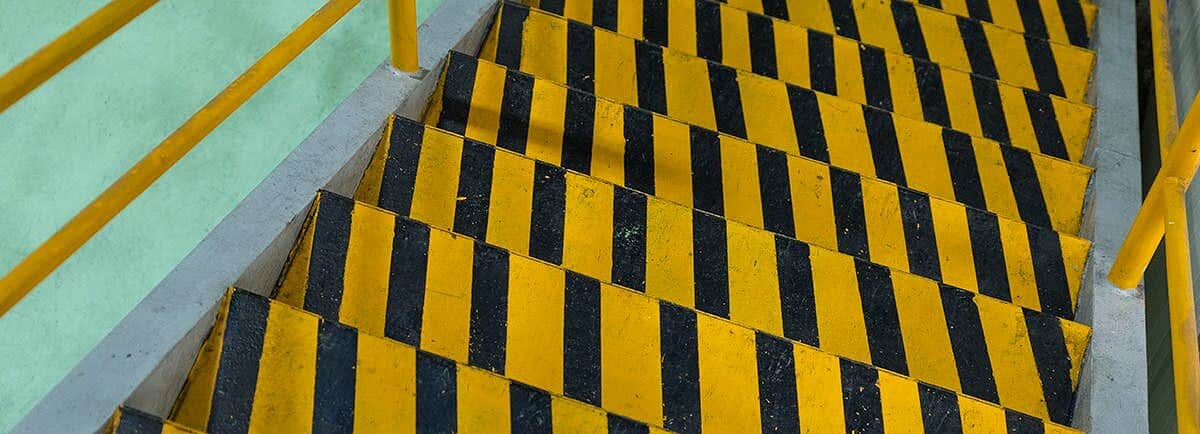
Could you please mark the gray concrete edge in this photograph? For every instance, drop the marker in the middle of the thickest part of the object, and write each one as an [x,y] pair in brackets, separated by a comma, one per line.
[143,362]
[1112,394]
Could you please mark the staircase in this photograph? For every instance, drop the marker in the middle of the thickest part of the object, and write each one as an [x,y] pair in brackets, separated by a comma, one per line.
[683,216]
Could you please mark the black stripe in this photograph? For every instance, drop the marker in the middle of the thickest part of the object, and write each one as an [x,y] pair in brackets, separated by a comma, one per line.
[707,184]
[406,282]
[861,406]
[932,3]
[1020,423]
[711,264]
[489,308]
[980,10]
[1023,177]
[848,213]
[991,110]
[1045,68]
[237,370]
[578,131]
[639,150]
[762,46]
[514,112]
[437,394]
[549,208]
[1053,364]
[806,121]
[509,38]
[843,18]
[581,57]
[708,30]
[651,87]
[529,410]
[680,369]
[885,147]
[1074,21]
[135,422]
[939,410]
[727,100]
[776,384]
[776,191]
[964,171]
[1031,18]
[796,296]
[620,425]
[581,339]
[629,239]
[1045,124]
[400,167]
[1049,272]
[969,346]
[474,190]
[881,317]
[552,6]
[604,14]
[919,236]
[991,273]
[978,51]
[875,77]
[776,8]
[654,22]
[932,92]
[337,356]
[327,264]
[911,36]
[822,69]
[458,84]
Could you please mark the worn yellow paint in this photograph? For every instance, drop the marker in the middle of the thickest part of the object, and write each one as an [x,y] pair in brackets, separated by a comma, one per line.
[546,123]
[1021,282]
[791,55]
[511,207]
[578,10]
[900,404]
[615,68]
[669,266]
[535,324]
[877,27]
[955,252]
[1020,126]
[812,202]
[629,344]
[839,306]
[1077,337]
[385,391]
[846,135]
[446,326]
[735,47]
[1013,365]
[739,176]
[681,26]
[1071,61]
[608,142]
[923,325]
[368,265]
[483,402]
[372,181]
[728,377]
[818,391]
[960,101]
[943,40]
[885,227]
[848,70]
[672,161]
[753,279]
[993,178]
[286,374]
[194,402]
[686,100]
[295,278]
[767,121]
[982,418]
[552,61]
[574,417]
[436,189]
[906,96]
[629,17]
[1076,139]
[1018,68]
[484,120]
[588,226]
[933,170]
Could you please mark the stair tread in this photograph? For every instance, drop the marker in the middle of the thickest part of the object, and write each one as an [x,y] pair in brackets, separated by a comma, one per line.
[526,299]
[663,80]
[921,32]
[132,421]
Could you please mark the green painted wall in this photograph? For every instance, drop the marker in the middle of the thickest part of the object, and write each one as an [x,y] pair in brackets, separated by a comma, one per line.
[67,141]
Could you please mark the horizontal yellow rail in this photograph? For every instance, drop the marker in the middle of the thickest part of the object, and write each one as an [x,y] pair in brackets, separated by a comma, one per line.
[49,60]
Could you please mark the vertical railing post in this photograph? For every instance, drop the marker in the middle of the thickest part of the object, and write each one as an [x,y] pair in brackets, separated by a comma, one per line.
[1181,309]
[402,23]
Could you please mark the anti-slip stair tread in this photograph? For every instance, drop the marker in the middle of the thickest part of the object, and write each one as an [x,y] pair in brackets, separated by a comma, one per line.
[1063,21]
[665,80]
[132,421]
[1004,354]
[567,126]
[901,27]
[286,370]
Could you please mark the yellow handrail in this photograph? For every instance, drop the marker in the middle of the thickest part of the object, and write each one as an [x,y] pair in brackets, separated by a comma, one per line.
[51,253]
[1181,309]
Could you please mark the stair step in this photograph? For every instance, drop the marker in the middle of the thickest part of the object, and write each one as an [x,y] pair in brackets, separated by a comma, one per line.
[664,80]
[131,421]
[899,27]
[424,286]
[1063,21]
[268,367]
[552,123]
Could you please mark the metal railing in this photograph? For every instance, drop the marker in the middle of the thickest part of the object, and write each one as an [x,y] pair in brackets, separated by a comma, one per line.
[52,58]
[1163,215]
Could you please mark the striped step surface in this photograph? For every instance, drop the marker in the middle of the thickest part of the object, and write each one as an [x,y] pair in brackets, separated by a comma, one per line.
[898,27]
[1064,21]
[495,309]
[268,367]
[132,421]
[664,80]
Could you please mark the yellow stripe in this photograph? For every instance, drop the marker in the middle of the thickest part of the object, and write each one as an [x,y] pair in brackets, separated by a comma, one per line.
[848,69]
[436,189]
[923,325]
[960,101]
[765,107]
[488,49]
[885,228]
[749,5]
[1016,115]
[511,207]
[283,395]
[483,403]
[819,391]
[956,7]
[681,26]
[876,26]
[1016,66]
[366,277]
[906,96]
[791,55]
[578,10]
[672,161]
[368,188]
[295,279]
[1021,283]
[839,306]
[1072,60]
[615,68]
[955,253]
[669,273]
[573,417]
[1056,29]
[588,227]
[535,324]
[728,377]
[608,142]
[1069,115]
[629,18]
[445,324]
[1077,337]
[546,119]
[483,122]
[943,40]
[739,174]
[918,150]
[753,279]
[1013,365]
[1005,13]
[993,178]
[385,387]
[686,100]
[1075,254]
[195,400]
[846,134]
[810,14]
[812,201]
[551,37]
[735,40]
[978,417]
[631,381]
[901,404]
